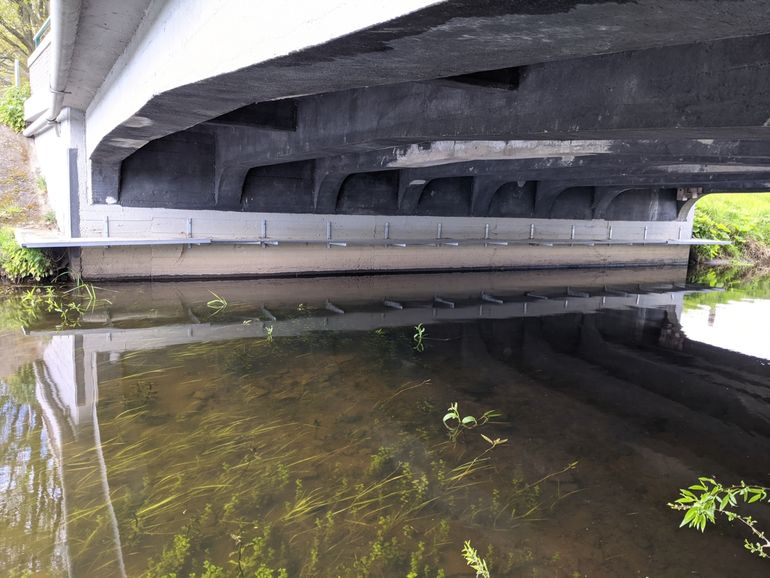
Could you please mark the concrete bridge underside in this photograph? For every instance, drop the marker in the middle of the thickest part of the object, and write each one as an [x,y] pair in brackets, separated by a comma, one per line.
[453,134]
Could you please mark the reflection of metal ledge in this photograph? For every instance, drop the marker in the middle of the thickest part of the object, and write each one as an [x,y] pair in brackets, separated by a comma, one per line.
[363,303]
[171,301]
[117,339]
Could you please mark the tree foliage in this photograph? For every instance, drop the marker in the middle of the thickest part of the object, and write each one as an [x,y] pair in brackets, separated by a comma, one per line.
[19,21]
[12,107]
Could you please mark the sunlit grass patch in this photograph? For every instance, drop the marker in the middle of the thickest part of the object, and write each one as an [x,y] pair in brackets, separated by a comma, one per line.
[742,218]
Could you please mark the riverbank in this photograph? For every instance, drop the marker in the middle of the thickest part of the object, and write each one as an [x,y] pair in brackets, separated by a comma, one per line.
[22,204]
[743,219]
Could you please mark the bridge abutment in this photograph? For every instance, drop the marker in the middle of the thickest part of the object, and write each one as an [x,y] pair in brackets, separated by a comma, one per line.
[454,135]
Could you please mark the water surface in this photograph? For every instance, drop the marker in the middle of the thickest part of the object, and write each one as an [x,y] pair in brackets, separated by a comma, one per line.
[294,428]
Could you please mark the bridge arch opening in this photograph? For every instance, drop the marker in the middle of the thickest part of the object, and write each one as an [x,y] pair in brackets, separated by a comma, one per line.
[283,188]
[644,205]
[574,203]
[446,197]
[374,193]
[513,200]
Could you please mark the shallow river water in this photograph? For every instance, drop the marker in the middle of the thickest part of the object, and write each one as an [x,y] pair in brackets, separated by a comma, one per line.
[303,427]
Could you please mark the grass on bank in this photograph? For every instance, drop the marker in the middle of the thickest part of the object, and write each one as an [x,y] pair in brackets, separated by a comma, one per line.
[743,218]
[16,263]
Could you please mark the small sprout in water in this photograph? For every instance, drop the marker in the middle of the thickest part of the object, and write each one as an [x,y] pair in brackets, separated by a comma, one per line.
[218,304]
[456,423]
[494,442]
[419,335]
[269,333]
[476,562]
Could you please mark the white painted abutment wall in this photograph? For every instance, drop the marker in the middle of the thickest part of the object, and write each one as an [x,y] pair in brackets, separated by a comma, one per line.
[252,244]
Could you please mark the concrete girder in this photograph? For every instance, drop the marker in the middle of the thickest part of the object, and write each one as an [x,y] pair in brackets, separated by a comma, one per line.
[742,186]
[228,187]
[490,176]
[603,197]
[410,188]
[476,159]
[484,188]
[326,192]
[329,173]
[173,94]
[658,94]
[701,159]
[600,170]
[379,155]
[546,194]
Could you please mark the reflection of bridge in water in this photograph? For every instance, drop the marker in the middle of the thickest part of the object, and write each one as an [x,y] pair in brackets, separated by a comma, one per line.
[604,338]
[67,391]
[414,304]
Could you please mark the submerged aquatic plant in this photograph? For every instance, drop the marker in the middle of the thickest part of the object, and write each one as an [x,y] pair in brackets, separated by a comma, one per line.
[71,304]
[476,562]
[457,423]
[419,335]
[463,470]
[217,304]
[258,461]
[702,502]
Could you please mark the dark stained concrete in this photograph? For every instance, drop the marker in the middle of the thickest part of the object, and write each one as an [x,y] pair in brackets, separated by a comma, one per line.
[546,109]
[461,37]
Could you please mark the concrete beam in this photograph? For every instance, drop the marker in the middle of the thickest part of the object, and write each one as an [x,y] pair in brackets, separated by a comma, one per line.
[162,166]
[105,29]
[536,159]
[546,194]
[600,163]
[158,87]
[657,94]
[484,188]
[240,260]
[603,198]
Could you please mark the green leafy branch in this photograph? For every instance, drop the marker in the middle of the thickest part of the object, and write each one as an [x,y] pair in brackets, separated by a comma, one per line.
[702,502]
